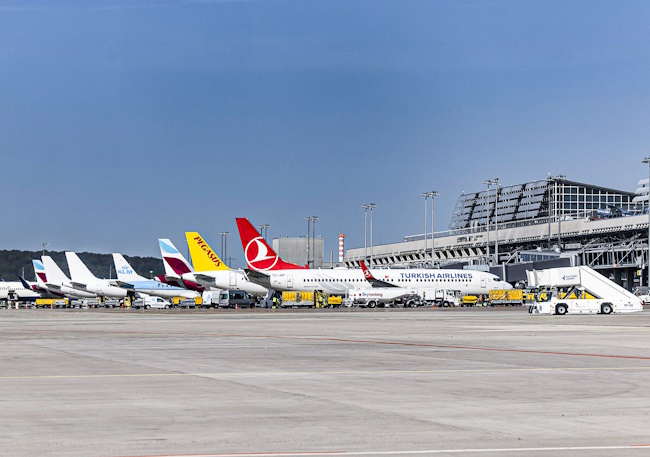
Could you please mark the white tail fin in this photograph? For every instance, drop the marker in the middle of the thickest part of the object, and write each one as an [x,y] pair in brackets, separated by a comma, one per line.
[54,274]
[175,263]
[124,270]
[79,272]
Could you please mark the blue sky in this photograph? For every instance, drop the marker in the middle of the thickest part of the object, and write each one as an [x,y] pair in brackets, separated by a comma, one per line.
[125,121]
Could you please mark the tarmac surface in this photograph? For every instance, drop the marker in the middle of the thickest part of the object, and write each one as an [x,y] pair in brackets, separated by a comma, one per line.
[443,382]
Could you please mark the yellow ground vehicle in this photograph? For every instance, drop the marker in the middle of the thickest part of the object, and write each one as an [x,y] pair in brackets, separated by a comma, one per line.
[52,302]
[314,299]
[183,302]
[469,300]
[509,297]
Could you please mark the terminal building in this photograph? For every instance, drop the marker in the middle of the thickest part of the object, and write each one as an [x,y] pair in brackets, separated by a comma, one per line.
[300,250]
[539,224]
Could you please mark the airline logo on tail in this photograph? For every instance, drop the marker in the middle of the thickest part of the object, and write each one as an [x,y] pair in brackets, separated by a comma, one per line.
[366,272]
[39,269]
[167,247]
[259,255]
[173,257]
[203,257]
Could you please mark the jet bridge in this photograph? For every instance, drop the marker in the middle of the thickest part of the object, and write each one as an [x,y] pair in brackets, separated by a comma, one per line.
[586,277]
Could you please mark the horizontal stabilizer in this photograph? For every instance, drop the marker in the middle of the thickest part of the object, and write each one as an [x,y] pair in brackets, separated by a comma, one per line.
[204,279]
[254,274]
[79,285]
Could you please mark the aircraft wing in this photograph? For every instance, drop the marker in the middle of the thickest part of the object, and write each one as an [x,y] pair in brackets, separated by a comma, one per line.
[79,285]
[380,283]
[123,284]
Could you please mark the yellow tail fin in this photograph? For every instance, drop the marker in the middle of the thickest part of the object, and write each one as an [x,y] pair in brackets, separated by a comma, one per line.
[203,257]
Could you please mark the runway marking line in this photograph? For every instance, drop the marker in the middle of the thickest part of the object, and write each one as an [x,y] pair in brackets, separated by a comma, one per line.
[345,340]
[408,452]
[318,373]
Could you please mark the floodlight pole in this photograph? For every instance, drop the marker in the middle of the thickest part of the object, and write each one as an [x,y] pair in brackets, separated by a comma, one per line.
[308,219]
[313,240]
[495,181]
[647,160]
[487,221]
[426,195]
[426,228]
[366,207]
[224,246]
[433,194]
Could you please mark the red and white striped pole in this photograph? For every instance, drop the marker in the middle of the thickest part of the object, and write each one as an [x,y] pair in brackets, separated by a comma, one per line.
[341,238]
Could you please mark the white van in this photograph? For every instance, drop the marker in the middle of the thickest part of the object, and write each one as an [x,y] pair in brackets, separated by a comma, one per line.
[151,302]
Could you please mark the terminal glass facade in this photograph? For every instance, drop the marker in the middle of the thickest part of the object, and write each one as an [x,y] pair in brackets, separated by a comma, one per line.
[525,203]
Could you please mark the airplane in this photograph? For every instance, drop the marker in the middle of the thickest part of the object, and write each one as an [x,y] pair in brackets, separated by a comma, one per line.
[16,290]
[175,267]
[83,280]
[42,292]
[49,277]
[264,270]
[128,279]
[210,271]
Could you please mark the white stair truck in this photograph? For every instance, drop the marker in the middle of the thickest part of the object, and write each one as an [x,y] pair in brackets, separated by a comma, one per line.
[564,291]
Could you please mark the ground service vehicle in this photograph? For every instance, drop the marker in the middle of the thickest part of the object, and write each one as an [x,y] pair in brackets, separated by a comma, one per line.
[315,299]
[643,292]
[372,297]
[235,299]
[579,290]
[210,299]
[440,297]
[52,302]
[151,302]
[509,297]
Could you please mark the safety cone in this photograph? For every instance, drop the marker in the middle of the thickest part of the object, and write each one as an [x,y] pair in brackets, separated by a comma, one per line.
[236,306]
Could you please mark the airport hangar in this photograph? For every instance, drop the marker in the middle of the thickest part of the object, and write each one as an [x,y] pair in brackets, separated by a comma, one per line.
[540,224]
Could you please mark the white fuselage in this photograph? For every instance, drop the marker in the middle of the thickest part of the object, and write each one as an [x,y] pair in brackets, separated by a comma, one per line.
[101,287]
[160,289]
[338,281]
[226,280]
[65,288]
[17,288]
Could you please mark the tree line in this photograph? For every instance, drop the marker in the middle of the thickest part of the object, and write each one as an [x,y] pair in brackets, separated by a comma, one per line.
[13,263]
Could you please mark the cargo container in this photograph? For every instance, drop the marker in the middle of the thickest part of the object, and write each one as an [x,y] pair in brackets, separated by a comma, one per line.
[509,297]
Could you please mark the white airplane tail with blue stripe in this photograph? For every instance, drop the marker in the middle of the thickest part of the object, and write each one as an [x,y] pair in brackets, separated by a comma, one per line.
[124,270]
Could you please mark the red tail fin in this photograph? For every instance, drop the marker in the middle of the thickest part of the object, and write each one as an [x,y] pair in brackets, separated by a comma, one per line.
[366,272]
[259,255]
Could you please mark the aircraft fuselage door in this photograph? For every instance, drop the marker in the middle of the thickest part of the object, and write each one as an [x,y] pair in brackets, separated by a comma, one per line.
[289,282]
[483,282]
[233,279]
